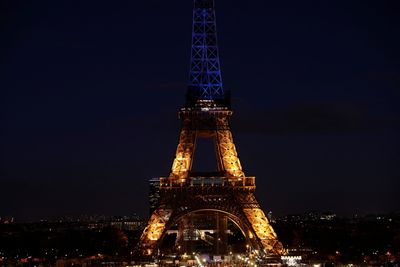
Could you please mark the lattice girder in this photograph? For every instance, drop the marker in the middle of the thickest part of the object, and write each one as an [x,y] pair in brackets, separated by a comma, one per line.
[215,125]
[154,230]
[241,206]
[206,115]
[205,79]
[228,154]
[263,229]
[184,154]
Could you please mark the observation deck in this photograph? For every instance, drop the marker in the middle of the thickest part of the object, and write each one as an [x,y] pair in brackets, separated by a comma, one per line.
[209,181]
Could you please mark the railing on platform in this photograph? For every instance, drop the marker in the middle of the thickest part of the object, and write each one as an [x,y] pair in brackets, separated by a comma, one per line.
[242,182]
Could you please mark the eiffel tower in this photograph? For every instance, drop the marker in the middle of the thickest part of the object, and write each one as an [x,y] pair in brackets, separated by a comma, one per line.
[186,195]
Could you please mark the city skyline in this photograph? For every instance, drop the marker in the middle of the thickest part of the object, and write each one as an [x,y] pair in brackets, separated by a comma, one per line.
[91,95]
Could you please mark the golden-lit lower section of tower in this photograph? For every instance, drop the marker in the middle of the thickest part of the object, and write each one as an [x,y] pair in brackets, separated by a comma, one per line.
[227,190]
[154,230]
[264,230]
[228,154]
[209,123]
[184,153]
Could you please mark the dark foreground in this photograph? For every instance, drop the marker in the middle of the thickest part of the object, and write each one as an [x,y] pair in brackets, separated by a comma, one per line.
[320,239]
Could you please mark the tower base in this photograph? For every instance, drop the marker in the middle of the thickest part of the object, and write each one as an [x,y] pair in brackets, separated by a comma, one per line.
[207,197]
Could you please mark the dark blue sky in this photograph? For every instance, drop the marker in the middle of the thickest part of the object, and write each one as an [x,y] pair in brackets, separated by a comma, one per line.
[90,91]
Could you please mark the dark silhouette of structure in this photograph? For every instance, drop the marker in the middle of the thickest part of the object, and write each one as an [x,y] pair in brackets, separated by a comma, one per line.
[188,198]
[154,193]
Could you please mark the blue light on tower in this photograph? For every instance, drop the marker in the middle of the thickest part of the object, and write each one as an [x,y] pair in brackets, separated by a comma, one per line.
[205,82]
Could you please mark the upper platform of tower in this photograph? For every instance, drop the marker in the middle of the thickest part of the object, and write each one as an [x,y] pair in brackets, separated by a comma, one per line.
[205,79]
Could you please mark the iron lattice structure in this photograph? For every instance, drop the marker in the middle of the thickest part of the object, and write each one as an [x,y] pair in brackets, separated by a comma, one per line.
[205,80]
[206,115]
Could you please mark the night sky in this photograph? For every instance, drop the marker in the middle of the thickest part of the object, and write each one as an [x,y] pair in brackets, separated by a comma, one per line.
[90,92]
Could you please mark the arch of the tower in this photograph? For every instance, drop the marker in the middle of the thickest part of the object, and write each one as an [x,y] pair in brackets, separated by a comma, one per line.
[211,230]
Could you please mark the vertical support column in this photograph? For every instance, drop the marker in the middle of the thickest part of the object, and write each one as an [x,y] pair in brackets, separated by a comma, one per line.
[184,154]
[227,154]
[221,242]
[225,147]
[181,242]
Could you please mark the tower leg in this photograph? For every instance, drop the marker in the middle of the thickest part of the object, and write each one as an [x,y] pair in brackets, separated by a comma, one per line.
[154,230]
[184,154]
[264,231]
[227,154]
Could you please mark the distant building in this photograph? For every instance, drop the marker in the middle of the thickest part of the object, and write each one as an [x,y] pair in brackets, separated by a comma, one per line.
[271,217]
[6,220]
[130,225]
[329,216]
[154,193]
[291,260]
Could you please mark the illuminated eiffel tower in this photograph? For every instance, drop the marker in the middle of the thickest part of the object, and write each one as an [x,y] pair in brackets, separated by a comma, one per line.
[227,192]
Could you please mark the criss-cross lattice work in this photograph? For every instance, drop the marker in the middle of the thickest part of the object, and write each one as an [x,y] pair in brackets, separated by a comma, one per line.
[212,124]
[238,203]
[227,153]
[227,191]
[231,192]
[184,154]
[205,81]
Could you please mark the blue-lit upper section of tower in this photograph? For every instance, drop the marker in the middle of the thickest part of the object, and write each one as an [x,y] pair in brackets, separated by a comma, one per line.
[205,82]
